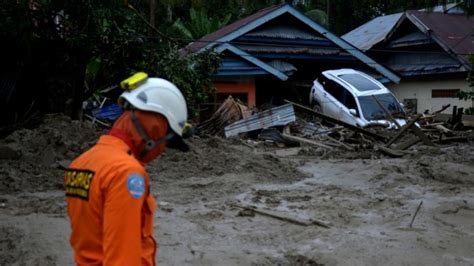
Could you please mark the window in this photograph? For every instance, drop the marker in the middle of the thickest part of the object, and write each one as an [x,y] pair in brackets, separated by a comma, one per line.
[450,93]
[359,82]
[372,110]
[340,93]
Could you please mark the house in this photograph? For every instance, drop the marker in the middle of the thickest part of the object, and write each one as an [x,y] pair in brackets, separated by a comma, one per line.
[429,49]
[277,53]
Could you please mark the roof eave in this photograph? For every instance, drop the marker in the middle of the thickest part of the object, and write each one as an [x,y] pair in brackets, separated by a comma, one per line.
[246,56]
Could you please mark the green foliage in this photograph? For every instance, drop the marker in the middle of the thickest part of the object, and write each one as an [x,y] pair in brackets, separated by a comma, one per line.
[468,95]
[319,16]
[190,73]
[66,50]
[200,24]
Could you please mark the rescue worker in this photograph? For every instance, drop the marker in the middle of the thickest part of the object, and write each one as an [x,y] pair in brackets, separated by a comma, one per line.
[108,196]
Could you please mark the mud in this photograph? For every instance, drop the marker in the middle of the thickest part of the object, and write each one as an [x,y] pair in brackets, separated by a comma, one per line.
[368,199]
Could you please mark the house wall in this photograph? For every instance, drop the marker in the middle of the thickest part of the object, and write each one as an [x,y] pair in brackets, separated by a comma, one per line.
[246,86]
[421,89]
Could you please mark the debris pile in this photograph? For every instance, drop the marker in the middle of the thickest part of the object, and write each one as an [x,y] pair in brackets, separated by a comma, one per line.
[283,128]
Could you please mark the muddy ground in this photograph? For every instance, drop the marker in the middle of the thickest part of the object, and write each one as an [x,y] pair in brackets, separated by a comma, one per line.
[369,203]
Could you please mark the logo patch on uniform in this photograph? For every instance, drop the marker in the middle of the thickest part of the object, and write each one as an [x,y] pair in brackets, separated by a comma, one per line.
[78,183]
[136,185]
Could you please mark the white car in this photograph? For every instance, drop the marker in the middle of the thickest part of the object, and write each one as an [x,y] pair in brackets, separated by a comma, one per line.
[348,95]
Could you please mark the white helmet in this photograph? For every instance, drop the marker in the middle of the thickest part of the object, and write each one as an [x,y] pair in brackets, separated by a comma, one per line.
[159,96]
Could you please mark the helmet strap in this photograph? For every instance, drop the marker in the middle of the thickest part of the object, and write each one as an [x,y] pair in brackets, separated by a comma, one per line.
[150,144]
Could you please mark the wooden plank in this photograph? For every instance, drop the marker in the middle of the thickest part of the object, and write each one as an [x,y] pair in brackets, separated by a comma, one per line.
[407,144]
[346,146]
[403,130]
[284,217]
[303,140]
[339,122]
[421,135]
[391,152]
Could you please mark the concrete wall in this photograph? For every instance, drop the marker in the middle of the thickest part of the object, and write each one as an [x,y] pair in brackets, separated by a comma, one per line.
[247,87]
[421,90]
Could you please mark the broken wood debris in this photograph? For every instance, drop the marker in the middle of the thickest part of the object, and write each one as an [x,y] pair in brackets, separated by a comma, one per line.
[281,127]
[339,122]
[284,217]
[228,112]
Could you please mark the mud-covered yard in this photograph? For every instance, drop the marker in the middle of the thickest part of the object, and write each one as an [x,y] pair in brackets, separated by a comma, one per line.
[368,202]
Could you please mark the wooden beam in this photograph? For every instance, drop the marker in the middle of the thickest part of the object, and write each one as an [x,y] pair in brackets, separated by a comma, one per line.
[403,130]
[407,144]
[284,217]
[421,135]
[307,141]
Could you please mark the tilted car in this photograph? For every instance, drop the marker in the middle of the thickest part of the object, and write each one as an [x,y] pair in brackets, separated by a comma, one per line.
[349,95]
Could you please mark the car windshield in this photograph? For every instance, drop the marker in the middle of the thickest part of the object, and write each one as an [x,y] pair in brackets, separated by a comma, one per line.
[371,110]
[359,82]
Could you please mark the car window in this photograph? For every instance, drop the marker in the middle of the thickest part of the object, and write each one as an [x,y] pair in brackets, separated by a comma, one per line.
[359,82]
[339,92]
[371,110]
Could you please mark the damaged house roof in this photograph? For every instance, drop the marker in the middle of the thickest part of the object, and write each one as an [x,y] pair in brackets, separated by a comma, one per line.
[267,42]
[418,42]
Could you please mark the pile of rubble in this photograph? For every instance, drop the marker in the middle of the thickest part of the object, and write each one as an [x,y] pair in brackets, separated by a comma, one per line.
[282,127]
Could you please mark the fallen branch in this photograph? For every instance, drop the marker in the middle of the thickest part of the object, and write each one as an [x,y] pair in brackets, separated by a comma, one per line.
[283,217]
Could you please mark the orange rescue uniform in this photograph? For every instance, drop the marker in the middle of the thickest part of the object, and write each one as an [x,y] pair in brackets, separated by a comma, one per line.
[110,206]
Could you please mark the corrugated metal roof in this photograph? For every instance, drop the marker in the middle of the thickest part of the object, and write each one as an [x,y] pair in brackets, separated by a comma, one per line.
[411,39]
[415,70]
[204,41]
[283,66]
[237,29]
[285,32]
[367,35]
[453,30]
[291,50]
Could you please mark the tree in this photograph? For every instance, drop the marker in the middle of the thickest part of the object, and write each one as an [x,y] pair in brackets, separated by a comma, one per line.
[200,24]
[59,52]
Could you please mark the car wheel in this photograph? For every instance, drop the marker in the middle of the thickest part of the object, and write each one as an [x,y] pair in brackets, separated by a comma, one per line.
[317,108]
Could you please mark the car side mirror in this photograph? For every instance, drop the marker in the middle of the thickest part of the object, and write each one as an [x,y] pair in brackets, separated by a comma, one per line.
[353,112]
[402,105]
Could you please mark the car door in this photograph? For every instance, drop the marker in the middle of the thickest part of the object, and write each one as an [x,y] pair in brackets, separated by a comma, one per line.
[335,100]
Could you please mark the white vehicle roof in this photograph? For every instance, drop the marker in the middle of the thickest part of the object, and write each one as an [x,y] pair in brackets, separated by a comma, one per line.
[359,83]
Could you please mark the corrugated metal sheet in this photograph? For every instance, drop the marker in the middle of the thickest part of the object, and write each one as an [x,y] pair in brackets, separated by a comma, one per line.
[278,116]
[290,50]
[454,30]
[412,38]
[366,36]
[415,70]
[285,32]
[283,66]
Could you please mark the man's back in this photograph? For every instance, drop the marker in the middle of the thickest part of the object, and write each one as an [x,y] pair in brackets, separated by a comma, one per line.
[110,206]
